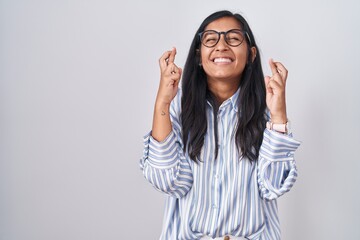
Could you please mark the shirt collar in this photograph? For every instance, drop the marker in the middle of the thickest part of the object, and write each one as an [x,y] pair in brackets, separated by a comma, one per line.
[233,100]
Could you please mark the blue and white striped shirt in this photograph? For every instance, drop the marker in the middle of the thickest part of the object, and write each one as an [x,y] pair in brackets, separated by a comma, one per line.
[226,196]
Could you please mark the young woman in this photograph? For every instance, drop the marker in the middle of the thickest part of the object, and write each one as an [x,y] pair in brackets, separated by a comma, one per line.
[220,146]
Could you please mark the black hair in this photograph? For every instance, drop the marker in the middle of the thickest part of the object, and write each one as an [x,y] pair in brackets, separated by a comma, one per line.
[251,101]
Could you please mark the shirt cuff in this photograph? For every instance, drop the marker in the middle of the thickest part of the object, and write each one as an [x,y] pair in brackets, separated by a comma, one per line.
[278,147]
[162,154]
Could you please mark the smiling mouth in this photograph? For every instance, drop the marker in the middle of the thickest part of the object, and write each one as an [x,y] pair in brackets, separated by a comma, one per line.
[222,60]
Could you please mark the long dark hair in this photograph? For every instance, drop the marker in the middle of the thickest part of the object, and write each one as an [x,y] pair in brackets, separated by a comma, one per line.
[251,101]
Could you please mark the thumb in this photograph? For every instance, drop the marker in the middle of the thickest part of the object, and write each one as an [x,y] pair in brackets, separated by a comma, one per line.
[267,86]
[266,78]
[180,72]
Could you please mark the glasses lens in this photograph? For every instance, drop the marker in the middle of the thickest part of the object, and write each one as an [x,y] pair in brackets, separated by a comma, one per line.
[209,38]
[234,38]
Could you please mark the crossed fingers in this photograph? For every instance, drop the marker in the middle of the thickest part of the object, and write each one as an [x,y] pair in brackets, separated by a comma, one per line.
[279,72]
[167,64]
[277,81]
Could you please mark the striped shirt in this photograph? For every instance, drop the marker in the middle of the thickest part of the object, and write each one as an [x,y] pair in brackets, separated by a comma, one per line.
[223,196]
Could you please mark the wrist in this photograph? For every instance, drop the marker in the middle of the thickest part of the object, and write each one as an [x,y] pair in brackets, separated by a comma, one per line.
[161,108]
[284,128]
[161,104]
[282,119]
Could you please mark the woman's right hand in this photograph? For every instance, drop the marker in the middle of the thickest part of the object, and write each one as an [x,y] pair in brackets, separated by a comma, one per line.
[169,82]
[170,78]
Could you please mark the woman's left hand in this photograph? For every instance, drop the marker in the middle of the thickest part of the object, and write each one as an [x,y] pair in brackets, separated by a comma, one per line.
[275,92]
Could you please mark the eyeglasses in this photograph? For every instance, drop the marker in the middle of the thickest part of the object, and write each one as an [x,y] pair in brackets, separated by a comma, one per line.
[233,37]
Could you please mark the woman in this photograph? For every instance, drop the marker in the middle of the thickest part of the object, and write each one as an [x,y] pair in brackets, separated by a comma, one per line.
[220,146]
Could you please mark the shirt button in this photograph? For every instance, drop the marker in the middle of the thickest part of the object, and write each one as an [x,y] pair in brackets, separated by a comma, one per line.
[288,154]
[226,238]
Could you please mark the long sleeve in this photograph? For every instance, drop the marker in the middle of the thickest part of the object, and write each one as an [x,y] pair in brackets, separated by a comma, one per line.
[277,171]
[222,196]
[163,163]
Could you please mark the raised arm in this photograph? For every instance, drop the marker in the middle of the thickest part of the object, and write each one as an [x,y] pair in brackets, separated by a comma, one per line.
[277,171]
[163,163]
[169,81]
[275,92]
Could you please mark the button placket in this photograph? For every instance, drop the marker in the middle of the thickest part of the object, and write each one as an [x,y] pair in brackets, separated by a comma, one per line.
[218,164]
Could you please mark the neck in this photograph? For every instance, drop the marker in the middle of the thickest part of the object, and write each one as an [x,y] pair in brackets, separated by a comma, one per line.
[222,90]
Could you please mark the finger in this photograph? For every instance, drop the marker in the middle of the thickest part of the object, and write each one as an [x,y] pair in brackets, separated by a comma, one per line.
[172,55]
[277,72]
[175,78]
[272,66]
[178,81]
[268,88]
[180,71]
[172,68]
[176,75]
[278,78]
[282,70]
[278,68]
[274,85]
[276,88]
[163,59]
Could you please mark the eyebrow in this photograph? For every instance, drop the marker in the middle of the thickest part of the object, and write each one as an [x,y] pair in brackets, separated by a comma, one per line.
[223,31]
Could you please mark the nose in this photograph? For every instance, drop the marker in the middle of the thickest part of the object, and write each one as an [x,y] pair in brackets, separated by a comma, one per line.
[222,45]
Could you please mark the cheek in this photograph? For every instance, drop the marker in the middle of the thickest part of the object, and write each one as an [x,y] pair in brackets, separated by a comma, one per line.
[205,53]
[242,55]
[206,64]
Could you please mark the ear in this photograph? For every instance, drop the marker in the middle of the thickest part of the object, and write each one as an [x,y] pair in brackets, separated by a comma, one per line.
[253,53]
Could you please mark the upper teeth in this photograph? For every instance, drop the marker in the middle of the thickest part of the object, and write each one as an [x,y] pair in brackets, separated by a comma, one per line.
[216,60]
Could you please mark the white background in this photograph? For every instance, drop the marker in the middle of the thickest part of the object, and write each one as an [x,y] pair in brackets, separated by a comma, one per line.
[78,81]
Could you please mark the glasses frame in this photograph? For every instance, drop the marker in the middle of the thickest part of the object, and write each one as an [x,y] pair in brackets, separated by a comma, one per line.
[225,33]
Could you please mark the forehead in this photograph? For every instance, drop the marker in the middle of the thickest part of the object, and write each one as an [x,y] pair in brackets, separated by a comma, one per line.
[224,24]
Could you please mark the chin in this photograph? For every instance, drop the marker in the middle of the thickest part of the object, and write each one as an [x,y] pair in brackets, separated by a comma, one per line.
[223,75]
